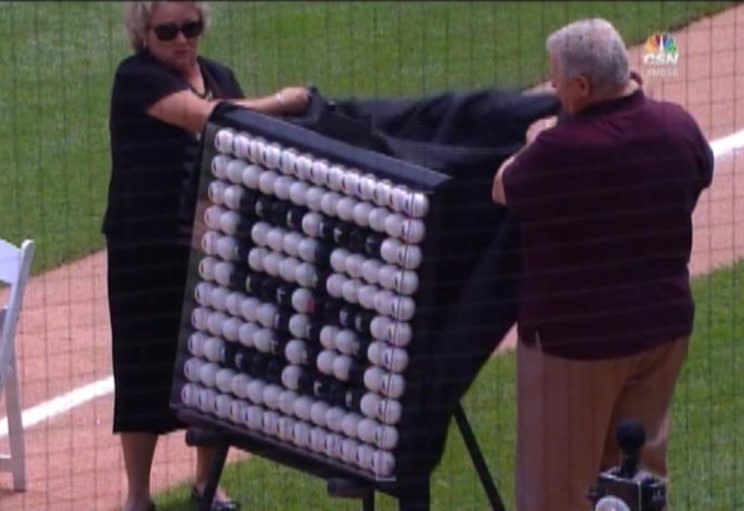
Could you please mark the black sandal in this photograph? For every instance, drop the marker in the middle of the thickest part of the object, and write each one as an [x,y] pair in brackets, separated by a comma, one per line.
[217,505]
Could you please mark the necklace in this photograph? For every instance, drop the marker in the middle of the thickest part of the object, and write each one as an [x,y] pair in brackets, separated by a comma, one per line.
[203,95]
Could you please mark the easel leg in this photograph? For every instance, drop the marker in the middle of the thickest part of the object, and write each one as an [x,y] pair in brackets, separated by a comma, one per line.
[214,477]
[202,437]
[480,464]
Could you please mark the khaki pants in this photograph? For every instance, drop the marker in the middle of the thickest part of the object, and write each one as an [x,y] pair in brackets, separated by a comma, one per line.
[568,411]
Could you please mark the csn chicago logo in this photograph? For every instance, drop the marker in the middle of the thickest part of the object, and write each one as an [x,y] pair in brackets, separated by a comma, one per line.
[661,51]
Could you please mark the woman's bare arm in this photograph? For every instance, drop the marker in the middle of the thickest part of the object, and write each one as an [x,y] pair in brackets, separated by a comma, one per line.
[190,112]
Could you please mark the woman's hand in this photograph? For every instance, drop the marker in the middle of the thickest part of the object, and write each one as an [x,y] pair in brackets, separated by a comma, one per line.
[293,100]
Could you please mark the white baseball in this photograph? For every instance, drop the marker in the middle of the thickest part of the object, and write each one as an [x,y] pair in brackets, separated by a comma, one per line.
[392,385]
[192,369]
[365,453]
[367,185]
[335,177]
[301,434]
[259,233]
[231,329]
[409,257]
[303,164]
[328,336]
[319,172]
[195,344]
[389,411]
[328,203]
[233,195]
[302,407]
[241,144]
[251,174]
[291,243]
[271,395]
[298,193]
[350,290]
[383,463]
[249,307]
[350,424]
[325,361]
[287,163]
[266,182]
[377,217]
[412,230]
[275,238]
[314,197]
[366,430]
[233,301]
[334,419]
[403,308]
[202,292]
[370,270]
[234,171]
[349,450]
[305,275]
[273,156]
[219,166]
[212,217]
[246,333]
[286,402]
[311,224]
[298,324]
[216,192]
[318,413]
[282,186]
[223,380]
[223,140]
[419,205]
[345,209]
[266,314]
[398,197]
[255,391]
[253,417]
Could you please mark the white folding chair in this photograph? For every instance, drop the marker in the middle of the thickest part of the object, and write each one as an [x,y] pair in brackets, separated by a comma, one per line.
[15,266]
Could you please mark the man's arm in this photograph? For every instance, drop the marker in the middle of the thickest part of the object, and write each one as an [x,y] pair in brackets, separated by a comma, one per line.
[497,191]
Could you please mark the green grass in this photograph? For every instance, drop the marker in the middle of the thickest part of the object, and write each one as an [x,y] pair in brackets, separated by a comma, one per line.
[59,59]
[704,451]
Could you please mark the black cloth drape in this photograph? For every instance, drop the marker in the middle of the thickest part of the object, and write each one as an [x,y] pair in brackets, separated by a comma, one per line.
[466,136]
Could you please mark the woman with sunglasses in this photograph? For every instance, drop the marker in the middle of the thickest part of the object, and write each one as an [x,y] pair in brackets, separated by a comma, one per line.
[161,98]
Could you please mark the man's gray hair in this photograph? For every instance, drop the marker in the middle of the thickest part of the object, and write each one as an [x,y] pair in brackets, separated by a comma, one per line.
[137,18]
[594,49]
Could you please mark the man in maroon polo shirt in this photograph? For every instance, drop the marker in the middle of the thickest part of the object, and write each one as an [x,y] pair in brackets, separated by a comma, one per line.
[604,199]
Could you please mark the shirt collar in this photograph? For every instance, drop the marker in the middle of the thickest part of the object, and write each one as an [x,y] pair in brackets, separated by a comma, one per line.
[612,105]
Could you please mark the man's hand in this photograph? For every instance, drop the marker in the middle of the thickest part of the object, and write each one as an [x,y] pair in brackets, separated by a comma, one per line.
[539,126]
[294,100]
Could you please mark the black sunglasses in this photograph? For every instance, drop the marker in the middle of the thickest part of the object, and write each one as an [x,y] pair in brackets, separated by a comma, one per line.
[169,31]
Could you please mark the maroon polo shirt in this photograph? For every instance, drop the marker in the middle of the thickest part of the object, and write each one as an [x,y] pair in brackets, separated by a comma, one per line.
[604,202]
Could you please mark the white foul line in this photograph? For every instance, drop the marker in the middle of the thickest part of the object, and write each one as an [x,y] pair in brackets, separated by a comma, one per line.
[725,145]
[62,404]
[81,395]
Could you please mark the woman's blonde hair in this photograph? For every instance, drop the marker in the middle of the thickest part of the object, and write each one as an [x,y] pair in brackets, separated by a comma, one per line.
[137,18]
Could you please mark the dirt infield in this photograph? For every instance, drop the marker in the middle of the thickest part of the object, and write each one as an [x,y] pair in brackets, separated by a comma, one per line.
[74,461]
